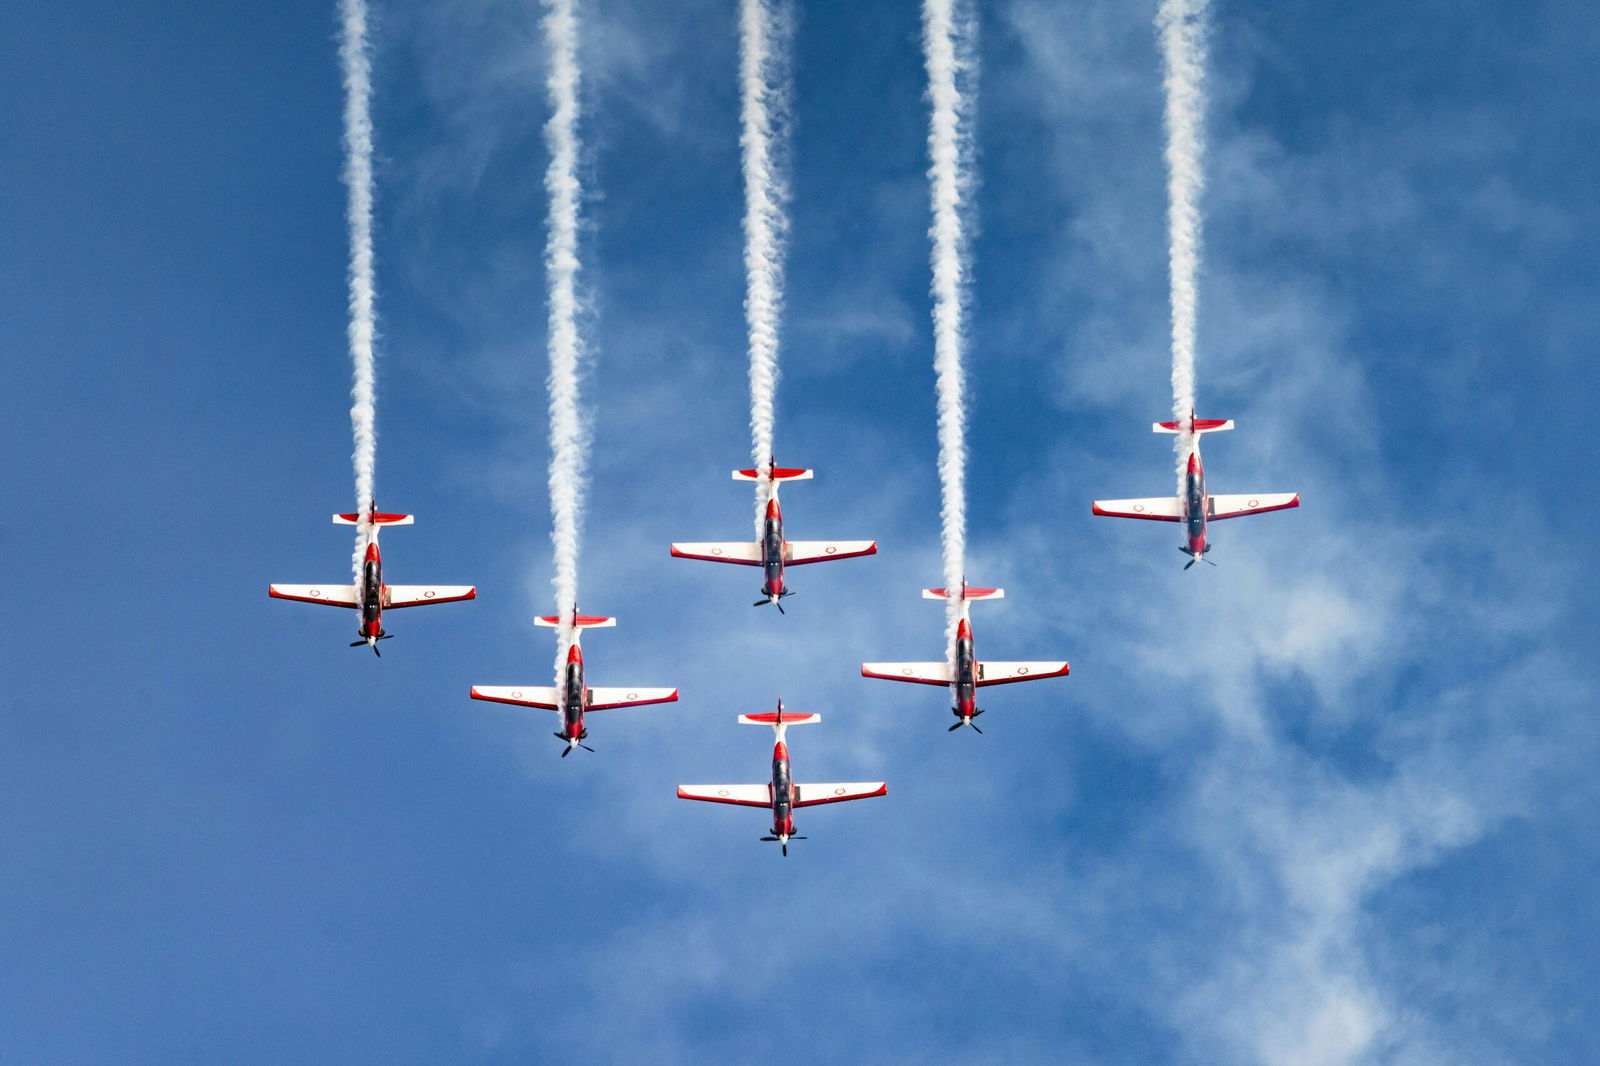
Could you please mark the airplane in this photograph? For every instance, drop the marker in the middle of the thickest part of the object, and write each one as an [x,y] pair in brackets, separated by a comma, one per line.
[372,596]
[772,553]
[1195,508]
[781,795]
[572,697]
[967,674]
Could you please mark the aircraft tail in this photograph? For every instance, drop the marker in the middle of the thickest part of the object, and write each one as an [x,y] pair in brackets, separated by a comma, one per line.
[779,473]
[779,719]
[968,592]
[1201,425]
[579,621]
[378,519]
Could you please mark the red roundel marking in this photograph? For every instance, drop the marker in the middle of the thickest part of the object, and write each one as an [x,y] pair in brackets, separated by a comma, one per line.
[716,551]
[907,671]
[722,792]
[829,550]
[1021,670]
[633,695]
[1138,507]
[316,592]
[838,792]
[517,694]
[1253,503]
[430,594]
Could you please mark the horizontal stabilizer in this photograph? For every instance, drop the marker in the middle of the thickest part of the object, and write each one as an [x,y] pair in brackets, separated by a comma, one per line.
[522,696]
[1154,508]
[775,717]
[968,592]
[1201,425]
[742,795]
[837,792]
[579,621]
[378,519]
[1233,506]
[745,552]
[1006,673]
[329,595]
[919,673]
[398,596]
[779,473]
[601,699]
[800,552]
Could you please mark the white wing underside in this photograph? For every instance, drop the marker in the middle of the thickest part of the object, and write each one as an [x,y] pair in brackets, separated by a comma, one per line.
[917,673]
[327,595]
[398,596]
[521,695]
[741,795]
[1236,505]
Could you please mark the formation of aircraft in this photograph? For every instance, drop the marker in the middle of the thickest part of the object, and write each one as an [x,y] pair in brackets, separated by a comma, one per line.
[781,795]
[1195,508]
[965,675]
[571,696]
[772,552]
[372,596]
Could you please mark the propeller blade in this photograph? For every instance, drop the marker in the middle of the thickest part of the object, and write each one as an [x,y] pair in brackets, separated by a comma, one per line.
[975,728]
[760,603]
[786,850]
[1190,563]
[357,643]
[779,606]
[955,727]
[585,747]
[565,752]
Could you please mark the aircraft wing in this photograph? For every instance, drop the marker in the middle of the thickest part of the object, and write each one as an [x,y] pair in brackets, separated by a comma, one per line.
[1237,505]
[800,552]
[743,552]
[602,698]
[837,792]
[920,673]
[742,795]
[523,696]
[1006,673]
[331,595]
[1155,508]
[398,596]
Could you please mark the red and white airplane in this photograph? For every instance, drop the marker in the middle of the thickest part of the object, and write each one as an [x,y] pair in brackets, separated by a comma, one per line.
[781,795]
[1195,508]
[772,553]
[372,596]
[571,697]
[966,675]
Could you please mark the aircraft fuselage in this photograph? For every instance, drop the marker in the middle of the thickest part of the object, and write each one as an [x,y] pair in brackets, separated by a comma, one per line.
[574,697]
[772,551]
[965,683]
[782,793]
[372,594]
[1194,507]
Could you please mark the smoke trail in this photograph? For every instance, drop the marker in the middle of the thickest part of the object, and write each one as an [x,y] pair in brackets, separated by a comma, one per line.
[357,67]
[1181,25]
[948,29]
[567,433]
[764,27]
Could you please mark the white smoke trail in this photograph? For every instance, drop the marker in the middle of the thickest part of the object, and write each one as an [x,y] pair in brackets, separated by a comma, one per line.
[357,67]
[568,436]
[948,30]
[764,27]
[1181,25]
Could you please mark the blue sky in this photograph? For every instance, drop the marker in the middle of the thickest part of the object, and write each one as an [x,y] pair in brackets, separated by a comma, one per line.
[1328,803]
